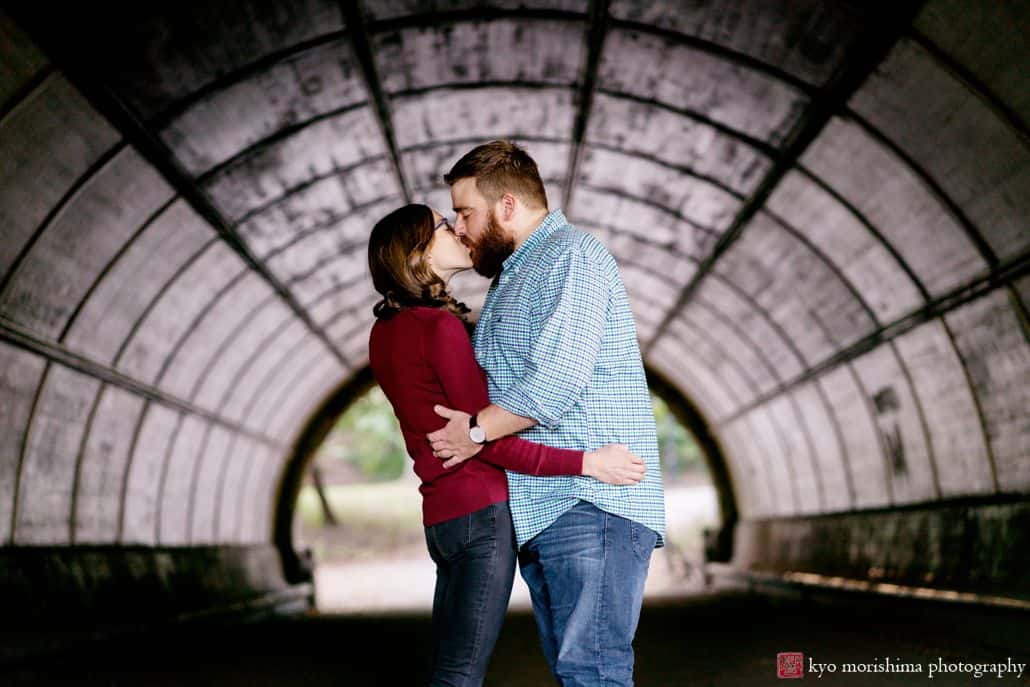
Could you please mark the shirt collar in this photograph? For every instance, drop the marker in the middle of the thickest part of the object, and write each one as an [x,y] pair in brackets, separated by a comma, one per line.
[552,221]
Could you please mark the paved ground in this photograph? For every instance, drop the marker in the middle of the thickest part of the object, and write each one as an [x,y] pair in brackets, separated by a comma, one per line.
[727,638]
[401,579]
[405,582]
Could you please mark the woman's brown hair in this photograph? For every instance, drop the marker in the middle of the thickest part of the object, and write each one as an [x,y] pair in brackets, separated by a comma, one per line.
[397,261]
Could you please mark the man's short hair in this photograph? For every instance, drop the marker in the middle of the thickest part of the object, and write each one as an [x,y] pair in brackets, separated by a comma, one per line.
[501,167]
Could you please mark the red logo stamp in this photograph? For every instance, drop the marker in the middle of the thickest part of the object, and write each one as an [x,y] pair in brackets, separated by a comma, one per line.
[790,664]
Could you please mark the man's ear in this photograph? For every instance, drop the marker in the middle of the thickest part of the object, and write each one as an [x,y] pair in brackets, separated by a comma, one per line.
[508,202]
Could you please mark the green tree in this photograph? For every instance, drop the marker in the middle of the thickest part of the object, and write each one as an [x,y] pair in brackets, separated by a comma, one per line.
[368,436]
[680,452]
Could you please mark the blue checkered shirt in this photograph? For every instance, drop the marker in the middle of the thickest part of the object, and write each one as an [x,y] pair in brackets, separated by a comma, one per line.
[559,344]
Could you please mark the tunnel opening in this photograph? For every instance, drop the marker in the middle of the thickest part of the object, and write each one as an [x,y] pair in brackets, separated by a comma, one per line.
[349,520]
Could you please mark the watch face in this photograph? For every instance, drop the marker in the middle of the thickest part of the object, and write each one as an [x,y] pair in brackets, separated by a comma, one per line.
[477,434]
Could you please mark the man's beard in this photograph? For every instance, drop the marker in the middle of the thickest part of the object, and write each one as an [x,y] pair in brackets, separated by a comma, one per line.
[491,250]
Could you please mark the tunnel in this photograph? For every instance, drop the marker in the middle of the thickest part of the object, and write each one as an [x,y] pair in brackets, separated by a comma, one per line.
[820,211]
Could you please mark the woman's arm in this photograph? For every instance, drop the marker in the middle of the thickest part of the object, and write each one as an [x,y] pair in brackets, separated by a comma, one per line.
[449,351]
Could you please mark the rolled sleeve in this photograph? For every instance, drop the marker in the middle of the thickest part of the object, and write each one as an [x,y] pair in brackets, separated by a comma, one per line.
[570,327]
[515,401]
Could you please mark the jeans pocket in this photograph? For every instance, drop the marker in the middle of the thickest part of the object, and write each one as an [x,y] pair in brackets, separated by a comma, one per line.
[644,540]
[483,524]
[450,537]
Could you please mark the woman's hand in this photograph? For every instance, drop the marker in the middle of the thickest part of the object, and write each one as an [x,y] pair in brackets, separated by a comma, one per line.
[614,464]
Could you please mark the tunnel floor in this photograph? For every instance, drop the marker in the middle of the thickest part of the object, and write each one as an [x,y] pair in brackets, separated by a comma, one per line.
[724,638]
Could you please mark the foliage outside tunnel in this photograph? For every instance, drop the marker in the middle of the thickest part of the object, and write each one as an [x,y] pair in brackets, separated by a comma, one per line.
[370,506]
[366,444]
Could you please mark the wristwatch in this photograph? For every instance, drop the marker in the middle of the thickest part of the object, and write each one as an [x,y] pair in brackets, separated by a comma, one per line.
[476,433]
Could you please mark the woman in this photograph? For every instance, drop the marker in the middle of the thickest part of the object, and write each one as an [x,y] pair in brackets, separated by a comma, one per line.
[420,354]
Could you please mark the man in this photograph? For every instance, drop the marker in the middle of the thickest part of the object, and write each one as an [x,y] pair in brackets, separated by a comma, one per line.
[558,342]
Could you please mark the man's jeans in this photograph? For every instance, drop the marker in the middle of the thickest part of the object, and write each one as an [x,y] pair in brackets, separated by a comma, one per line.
[586,575]
[475,568]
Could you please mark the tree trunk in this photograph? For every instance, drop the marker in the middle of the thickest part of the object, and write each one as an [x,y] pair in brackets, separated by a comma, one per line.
[316,476]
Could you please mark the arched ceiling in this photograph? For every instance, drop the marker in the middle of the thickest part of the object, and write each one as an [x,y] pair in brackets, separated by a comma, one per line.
[819,210]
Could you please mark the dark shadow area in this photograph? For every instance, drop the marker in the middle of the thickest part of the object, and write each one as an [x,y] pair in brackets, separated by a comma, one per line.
[724,639]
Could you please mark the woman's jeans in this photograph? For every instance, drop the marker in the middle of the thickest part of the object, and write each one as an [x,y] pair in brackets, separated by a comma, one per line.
[475,568]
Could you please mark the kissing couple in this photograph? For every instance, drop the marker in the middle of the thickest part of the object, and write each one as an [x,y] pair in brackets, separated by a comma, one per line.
[535,440]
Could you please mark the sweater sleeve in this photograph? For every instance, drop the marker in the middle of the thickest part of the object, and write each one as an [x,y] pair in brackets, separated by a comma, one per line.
[449,351]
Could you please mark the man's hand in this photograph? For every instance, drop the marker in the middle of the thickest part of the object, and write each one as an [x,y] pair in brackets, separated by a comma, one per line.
[452,441]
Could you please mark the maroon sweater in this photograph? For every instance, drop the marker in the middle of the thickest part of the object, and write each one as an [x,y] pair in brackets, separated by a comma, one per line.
[422,357]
